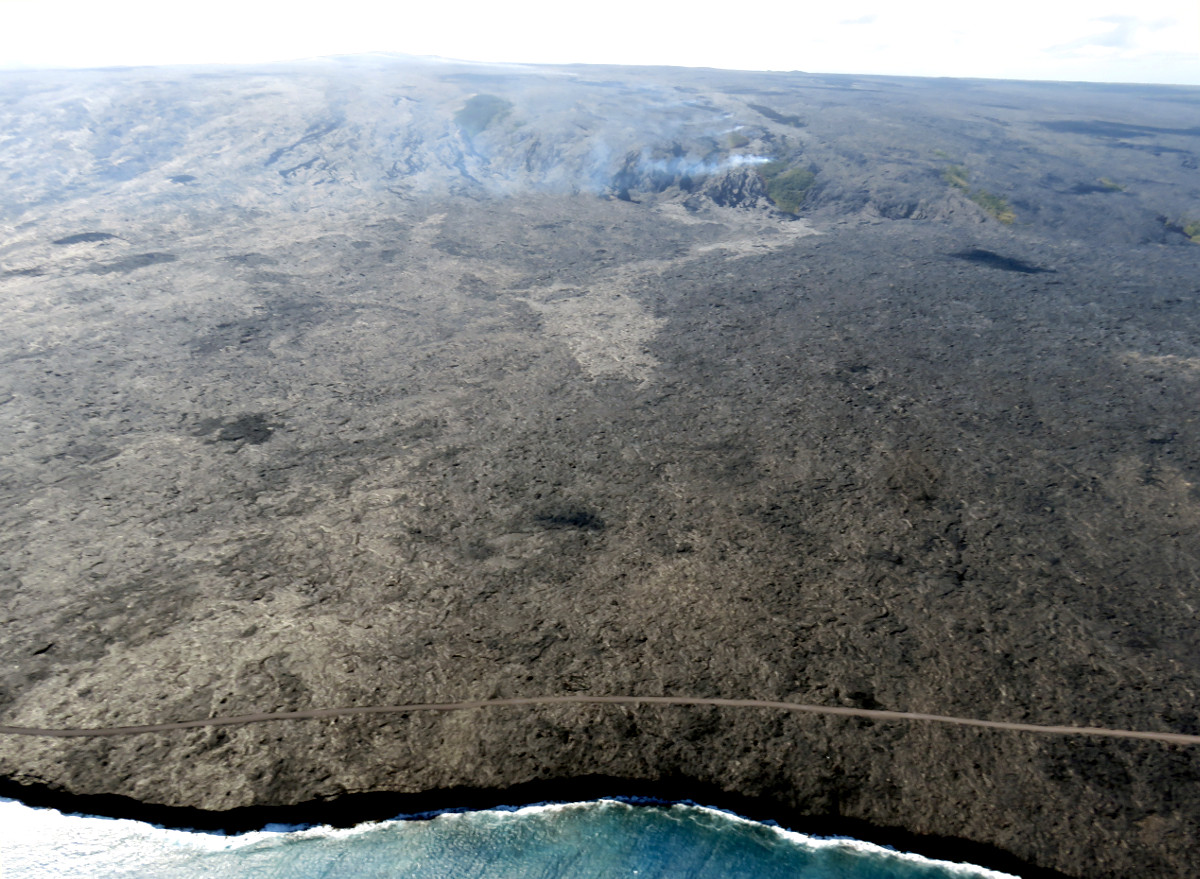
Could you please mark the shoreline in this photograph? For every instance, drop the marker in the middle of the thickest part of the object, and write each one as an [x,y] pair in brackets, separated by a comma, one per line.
[352,809]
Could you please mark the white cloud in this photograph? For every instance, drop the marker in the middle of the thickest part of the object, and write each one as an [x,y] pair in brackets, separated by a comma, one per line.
[1128,33]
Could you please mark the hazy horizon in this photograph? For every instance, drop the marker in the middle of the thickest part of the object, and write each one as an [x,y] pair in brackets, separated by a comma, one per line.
[1106,41]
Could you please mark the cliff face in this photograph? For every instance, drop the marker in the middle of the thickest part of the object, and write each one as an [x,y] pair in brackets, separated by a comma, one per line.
[371,382]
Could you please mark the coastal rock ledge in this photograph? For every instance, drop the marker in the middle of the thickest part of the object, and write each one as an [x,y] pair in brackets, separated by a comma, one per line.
[375,381]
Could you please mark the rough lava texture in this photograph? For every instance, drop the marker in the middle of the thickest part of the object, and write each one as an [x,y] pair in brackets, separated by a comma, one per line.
[377,381]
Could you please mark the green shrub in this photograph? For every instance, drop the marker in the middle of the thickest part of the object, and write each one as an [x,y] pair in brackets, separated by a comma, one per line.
[994,205]
[1187,227]
[956,176]
[786,186]
[481,111]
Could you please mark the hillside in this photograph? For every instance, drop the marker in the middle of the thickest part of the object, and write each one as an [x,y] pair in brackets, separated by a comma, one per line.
[373,381]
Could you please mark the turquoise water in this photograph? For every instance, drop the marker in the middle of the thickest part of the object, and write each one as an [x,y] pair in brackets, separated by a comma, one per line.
[576,841]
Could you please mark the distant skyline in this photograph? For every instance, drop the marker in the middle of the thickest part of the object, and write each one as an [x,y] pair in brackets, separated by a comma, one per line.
[1092,40]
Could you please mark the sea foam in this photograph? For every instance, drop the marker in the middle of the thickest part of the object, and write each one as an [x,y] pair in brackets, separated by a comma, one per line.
[577,840]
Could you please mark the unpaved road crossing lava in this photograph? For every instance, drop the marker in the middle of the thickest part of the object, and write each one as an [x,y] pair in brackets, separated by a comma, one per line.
[864,713]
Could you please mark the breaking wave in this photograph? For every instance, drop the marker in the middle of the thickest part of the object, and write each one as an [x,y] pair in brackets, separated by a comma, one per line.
[578,840]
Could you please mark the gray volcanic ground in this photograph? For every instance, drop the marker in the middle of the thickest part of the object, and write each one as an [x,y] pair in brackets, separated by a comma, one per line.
[367,381]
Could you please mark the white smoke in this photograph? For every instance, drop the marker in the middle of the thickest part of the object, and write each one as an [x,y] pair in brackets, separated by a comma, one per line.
[685,166]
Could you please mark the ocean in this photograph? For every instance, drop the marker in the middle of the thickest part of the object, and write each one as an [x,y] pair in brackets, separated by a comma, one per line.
[605,838]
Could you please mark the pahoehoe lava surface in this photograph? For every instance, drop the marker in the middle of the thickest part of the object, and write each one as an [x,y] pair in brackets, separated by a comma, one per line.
[377,381]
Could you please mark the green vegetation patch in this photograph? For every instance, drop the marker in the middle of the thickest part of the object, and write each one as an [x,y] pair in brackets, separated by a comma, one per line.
[1108,184]
[957,176]
[735,141]
[1189,227]
[481,111]
[776,116]
[787,187]
[994,205]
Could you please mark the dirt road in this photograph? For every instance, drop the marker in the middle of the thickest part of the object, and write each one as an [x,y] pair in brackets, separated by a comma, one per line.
[864,713]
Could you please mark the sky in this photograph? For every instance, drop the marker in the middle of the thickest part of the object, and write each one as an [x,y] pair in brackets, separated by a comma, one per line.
[1090,40]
